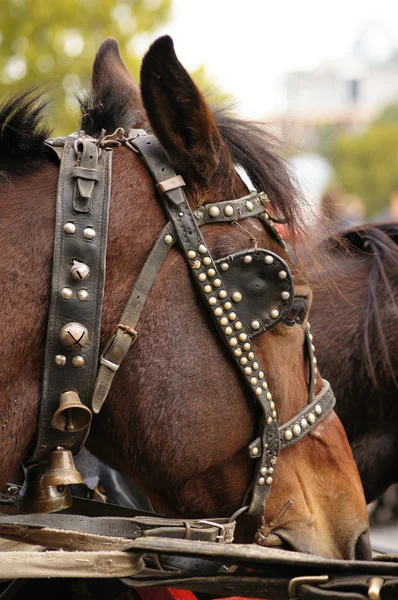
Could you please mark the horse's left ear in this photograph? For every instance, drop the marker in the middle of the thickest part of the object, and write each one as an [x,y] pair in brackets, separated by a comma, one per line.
[179,114]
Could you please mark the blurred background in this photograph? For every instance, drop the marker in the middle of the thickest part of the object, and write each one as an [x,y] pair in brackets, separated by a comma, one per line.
[323,76]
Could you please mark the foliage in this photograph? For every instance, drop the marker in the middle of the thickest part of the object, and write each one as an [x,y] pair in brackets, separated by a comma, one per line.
[53,42]
[367,163]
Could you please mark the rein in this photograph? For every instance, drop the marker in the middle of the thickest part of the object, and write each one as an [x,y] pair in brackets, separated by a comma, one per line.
[72,372]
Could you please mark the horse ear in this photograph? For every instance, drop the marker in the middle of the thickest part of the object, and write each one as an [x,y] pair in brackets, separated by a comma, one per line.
[179,114]
[116,99]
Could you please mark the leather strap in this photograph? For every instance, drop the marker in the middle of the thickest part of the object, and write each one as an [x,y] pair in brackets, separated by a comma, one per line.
[80,235]
[118,346]
[29,526]
[201,262]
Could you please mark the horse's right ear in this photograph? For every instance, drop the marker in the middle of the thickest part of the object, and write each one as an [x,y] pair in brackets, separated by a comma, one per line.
[115,96]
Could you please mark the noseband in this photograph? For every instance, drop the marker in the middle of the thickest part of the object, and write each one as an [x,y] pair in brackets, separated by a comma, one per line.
[246,293]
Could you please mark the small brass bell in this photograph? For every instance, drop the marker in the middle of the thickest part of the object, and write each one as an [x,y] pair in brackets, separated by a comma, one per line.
[71,415]
[73,336]
[79,270]
[61,469]
[34,497]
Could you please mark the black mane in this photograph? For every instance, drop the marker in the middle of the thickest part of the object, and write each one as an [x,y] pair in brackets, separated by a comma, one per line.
[379,243]
[23,131]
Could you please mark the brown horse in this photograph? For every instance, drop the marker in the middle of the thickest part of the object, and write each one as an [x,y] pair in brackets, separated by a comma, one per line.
[178,418]
[354,317]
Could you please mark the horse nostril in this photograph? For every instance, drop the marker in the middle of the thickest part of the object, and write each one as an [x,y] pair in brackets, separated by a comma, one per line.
[363,549]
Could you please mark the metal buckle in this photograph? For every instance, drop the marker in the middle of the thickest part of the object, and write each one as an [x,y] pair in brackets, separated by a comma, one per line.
[126,329]
[221,528]
[112,366]
[297,581]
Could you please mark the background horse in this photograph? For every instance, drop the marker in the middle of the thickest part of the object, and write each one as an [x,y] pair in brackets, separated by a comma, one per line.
[177,418]
[354,317]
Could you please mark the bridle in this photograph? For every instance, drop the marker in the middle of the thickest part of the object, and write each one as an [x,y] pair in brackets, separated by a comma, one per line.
[247,293]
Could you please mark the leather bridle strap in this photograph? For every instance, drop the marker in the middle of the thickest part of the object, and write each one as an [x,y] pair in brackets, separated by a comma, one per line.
[125,334]
[77,287]
[200,261]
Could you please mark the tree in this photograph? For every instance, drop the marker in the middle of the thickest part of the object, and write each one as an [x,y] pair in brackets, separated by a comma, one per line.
[54,43]
[367,164]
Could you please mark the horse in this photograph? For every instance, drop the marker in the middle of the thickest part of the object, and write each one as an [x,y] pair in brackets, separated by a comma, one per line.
[179,419]
[354,318]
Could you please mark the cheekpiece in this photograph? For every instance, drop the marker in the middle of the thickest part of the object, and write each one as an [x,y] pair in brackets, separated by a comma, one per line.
[263,286]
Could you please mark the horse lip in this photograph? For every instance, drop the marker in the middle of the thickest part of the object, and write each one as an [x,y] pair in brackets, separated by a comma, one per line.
[289,541]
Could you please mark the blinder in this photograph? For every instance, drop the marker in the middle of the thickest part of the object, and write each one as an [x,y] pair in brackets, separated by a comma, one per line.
[261,283]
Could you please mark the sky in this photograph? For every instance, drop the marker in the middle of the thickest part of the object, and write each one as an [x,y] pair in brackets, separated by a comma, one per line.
[247,45]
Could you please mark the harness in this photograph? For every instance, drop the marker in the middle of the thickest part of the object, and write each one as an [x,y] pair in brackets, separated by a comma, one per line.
[247,293]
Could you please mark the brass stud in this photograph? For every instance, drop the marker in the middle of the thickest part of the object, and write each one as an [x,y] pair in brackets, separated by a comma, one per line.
[273,414]
[211,272]
[216,282]
[255,366]
[207,260]
[69,228]
[243,337]
[268,396]
[243,361]
[228,210]
[66,293]
[247,371]
[224,321]
[232,316]
[202,277]
[218,311]
[296,430]
[233,341]
[228,330]
[82,295]
[268,259]
[236,296]
[247,259]
[274,313]
[89,233]
[78,361]
[288,435]
[260,374]
[311,418]
[253,380]
[258,391]
[238,352]
[202,249]
[238,325]
[268,481]
[196,264]
[222,294]
[318,409]
[282,274]
[249,205]
[212,301]
[191,254]
[227,305]
[246,346]
[255,325]
[261,481]
[264,384]
[168,240]
[213,211]
[254,451]
[285,295]
[224,266]
[207,289]
[60,360]
[250,356]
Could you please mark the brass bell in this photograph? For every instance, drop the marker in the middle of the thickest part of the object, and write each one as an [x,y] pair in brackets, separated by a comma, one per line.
[71,415]
[61,469]
[34,497]
[79,270]
[73,336]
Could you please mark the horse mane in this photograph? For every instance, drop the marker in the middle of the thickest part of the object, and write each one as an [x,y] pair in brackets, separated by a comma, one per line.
[378,242]
[23,131]
[252,147]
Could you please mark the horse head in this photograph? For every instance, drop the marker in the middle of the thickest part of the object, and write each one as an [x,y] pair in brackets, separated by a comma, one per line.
[191,416]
